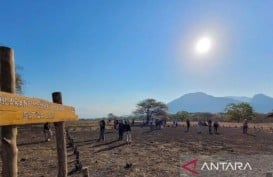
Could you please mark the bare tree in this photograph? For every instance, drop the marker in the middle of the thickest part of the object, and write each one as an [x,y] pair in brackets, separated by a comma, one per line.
[19,81]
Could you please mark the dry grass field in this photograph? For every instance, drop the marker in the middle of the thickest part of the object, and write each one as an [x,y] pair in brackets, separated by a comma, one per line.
[152,153]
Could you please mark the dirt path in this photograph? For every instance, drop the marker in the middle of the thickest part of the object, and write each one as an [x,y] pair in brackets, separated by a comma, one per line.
[152,153]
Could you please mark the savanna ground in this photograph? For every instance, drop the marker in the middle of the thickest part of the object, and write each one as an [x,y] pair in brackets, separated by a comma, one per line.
[152,153]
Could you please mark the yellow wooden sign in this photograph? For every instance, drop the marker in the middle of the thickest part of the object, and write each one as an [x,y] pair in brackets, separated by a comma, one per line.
[19,110]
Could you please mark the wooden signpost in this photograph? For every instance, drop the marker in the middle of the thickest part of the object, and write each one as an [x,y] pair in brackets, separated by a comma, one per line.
[19,110]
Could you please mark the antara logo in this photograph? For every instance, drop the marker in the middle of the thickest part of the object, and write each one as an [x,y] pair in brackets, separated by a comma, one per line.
[226,166]
[191,166]
[186,166]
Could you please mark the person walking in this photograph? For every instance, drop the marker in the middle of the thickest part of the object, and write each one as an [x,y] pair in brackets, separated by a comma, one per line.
[245,126]
[102,130]
[47,132]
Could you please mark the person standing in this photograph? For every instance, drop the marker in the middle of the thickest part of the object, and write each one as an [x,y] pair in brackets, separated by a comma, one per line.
[188,125]
[245,126]
[47,132]
[215,126]
[120,130]
[127,129]
[152,124]
[199,127]
[102,130]
[115,124]
[210,126]
[176,123]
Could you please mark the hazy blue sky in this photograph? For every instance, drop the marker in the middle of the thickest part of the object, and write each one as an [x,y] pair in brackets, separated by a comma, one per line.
[106,56]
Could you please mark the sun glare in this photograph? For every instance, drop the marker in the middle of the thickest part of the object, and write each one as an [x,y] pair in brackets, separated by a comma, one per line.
[203,45]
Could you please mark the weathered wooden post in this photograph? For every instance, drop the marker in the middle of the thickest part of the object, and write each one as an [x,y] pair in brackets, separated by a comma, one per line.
[7,84]
[60,140]
[85,172]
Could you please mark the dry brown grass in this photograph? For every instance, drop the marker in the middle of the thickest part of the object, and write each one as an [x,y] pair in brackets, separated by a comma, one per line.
[152,153]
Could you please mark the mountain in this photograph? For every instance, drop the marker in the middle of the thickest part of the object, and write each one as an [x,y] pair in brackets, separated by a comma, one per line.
[262,103]
[202,102]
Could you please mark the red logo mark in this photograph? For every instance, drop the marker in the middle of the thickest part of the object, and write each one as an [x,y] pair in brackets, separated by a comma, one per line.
[193,163]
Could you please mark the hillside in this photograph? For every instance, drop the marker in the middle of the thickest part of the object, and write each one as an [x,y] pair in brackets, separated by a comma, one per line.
[202,102]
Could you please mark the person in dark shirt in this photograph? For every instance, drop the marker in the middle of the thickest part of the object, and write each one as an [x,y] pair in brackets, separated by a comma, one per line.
[102,130]
[121,128]
[215,125]
[210,126]
[127,129]
[245,126]
[115,124]
[188,125]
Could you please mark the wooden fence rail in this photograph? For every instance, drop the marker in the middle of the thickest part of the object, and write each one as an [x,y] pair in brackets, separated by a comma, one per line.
[77,164]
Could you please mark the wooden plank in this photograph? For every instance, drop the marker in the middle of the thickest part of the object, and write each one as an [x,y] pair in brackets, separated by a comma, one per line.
[22,118]
[19,110]
[13,102]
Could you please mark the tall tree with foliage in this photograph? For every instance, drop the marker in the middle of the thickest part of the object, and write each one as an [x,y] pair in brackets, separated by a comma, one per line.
[239,111]
[150,107]
[181,115]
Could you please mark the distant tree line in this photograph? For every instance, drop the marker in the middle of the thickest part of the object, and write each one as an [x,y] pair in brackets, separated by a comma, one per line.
[152,109]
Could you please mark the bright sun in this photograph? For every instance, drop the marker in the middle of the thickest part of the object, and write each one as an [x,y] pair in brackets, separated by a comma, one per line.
[203,45]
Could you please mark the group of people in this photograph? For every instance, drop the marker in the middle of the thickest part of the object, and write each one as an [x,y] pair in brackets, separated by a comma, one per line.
[201,124]
[215,126]
[155,124]
[122,126]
